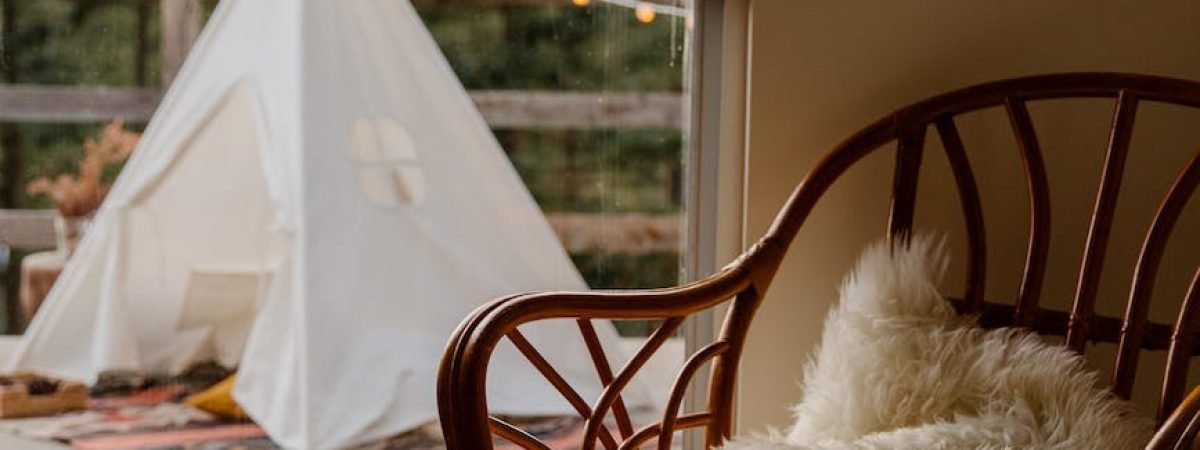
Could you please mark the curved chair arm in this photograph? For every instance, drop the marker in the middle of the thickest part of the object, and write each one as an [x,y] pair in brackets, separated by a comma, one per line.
[462,375]
[1180,429]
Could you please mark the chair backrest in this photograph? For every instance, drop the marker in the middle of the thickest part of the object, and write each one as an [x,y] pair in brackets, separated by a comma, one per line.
[462,401]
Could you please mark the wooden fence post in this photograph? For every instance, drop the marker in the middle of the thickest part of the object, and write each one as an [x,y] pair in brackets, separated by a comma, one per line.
[180,27]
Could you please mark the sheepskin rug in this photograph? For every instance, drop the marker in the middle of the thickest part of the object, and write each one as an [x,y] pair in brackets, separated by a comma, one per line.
[898,369]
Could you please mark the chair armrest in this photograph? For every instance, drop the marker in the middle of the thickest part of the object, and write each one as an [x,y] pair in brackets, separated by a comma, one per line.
[1180,429]
[462,374]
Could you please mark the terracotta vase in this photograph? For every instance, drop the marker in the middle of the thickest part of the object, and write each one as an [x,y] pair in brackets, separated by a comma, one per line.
[68,231]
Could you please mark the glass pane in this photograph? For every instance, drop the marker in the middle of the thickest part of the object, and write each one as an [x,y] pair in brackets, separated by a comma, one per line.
[588,99]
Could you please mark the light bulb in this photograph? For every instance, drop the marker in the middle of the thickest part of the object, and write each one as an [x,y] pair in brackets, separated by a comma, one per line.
[644,13]
[581,2]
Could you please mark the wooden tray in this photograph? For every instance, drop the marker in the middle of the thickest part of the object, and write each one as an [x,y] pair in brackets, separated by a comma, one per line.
[16,401]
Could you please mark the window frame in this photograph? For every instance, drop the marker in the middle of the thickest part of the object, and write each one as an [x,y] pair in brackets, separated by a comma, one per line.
[714,163]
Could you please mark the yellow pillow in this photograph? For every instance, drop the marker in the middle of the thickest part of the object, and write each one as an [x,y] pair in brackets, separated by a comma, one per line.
[218,400]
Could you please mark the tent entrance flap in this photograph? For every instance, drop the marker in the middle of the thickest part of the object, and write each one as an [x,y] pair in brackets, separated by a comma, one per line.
[210,208]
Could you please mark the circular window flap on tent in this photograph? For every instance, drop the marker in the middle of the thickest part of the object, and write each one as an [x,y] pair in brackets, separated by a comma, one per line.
[388,165]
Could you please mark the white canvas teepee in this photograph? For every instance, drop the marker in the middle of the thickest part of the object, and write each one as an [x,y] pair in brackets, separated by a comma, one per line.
[317,201]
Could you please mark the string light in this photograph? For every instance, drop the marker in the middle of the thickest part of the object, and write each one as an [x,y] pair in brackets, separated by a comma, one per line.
[644,13]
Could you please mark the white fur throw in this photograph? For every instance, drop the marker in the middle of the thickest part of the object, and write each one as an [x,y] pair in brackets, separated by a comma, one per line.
[898,369]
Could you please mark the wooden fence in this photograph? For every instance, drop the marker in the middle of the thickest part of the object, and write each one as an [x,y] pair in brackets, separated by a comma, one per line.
[579,232]
[501,109]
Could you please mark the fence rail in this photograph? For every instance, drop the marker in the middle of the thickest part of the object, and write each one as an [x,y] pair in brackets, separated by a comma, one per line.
[631,233]
[27,228]
[501,109]
[579,232]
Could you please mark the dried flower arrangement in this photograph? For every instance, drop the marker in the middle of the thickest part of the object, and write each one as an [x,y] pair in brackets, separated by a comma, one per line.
[80,195]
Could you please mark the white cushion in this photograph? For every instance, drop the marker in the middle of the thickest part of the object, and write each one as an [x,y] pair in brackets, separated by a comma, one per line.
[899,369]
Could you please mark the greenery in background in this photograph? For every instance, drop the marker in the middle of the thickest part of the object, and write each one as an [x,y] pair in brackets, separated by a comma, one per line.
[610,171]
[599,47]
[595,48]
[75,42]
[553,48]
[70,42]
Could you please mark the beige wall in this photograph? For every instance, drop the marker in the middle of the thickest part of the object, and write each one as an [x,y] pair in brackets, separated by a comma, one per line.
[822,68]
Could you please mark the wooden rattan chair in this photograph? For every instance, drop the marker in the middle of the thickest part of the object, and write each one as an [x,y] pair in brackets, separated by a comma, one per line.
[461,393]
